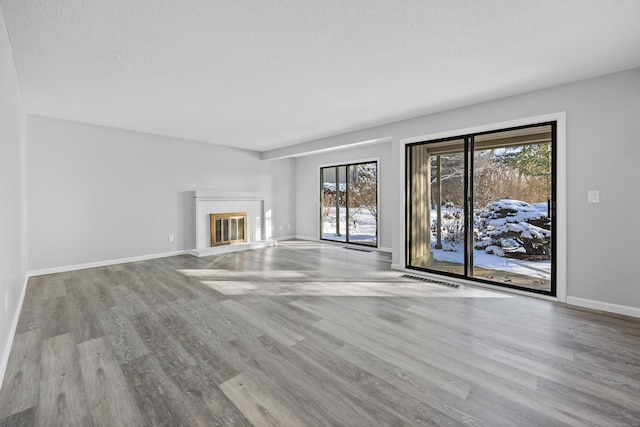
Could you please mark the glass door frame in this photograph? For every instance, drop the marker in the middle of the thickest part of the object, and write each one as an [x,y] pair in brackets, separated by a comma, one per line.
[469,142]
[347,165]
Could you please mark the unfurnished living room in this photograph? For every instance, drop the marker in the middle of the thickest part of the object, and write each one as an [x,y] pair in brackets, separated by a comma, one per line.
[319,213]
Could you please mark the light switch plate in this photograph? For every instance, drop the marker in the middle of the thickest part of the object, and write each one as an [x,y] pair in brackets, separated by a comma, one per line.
[593,196]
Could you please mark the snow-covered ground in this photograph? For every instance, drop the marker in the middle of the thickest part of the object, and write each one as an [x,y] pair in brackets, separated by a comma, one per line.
[538,269]
[364,231]
[491,224]
[362,226]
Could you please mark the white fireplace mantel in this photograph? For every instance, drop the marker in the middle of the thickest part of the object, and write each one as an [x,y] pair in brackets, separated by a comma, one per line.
[227,195]
[208,202]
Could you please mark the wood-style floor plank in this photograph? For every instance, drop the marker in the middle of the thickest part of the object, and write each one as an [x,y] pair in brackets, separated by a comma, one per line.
[308,334]
[62,400]
[24,418]
[20,389]
[172,356]
[106,388]
[274,329]
[81,295]
[156,396]
[257,403]
[301,384]
[204,352]
[124,339]
[421,389]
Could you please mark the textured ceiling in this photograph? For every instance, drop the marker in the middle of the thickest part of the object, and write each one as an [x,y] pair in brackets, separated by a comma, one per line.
[266,74]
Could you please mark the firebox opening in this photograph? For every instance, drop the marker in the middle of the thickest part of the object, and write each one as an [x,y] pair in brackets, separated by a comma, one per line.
[228,228]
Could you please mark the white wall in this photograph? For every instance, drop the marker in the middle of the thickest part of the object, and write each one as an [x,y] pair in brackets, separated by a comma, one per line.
[603,151]
[98,194]
[13,225]
[308,188]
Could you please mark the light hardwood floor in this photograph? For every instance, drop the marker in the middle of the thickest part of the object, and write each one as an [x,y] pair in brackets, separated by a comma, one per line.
[308,334]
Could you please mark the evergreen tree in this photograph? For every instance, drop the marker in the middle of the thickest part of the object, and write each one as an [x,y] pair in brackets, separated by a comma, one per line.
[533,163]
[530,160]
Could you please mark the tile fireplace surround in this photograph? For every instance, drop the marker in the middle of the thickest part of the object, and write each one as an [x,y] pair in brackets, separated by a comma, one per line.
[208,202]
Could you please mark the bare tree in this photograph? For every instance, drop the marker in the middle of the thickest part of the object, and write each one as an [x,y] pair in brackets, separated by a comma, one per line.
[363,188]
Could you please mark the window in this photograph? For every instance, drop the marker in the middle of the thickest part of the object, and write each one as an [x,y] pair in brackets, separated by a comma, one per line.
[482,207]
[349,203]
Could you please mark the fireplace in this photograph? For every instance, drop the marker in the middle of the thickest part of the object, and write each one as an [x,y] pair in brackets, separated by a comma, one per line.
[228,228]
[245,224]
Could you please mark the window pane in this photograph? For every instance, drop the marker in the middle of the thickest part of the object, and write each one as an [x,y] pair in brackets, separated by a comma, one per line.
[363,203]
[218,230]
[334,213]
[437,222]
[241,229]
[480,206]
[234,229]
[348,203]
[512,196]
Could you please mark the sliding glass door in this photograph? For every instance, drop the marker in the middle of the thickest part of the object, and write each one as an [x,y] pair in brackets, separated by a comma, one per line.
[349,203]
[481,206]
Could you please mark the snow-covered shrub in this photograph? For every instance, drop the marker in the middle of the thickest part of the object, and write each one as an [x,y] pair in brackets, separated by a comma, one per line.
[452,232]
[514,229]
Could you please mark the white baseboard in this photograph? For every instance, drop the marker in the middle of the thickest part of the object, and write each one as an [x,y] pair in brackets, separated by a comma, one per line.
[388,250]
[580,302]
[604,306]
[284,238]
[12,334]
[313,239]
[66,268]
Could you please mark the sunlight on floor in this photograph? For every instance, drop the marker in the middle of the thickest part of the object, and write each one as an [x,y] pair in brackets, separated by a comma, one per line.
[220,273]
[337,280]
[343,288]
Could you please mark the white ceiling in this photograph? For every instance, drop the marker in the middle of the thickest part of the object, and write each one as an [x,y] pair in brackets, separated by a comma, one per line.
[266,74]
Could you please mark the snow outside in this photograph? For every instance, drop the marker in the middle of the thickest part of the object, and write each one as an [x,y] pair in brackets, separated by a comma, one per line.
[488,224]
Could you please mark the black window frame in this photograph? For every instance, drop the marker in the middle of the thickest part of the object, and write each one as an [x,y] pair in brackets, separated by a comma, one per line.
[321,189]
[468,201]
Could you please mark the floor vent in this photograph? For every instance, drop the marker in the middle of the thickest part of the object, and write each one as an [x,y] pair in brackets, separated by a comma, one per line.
[358,249]
[436,282]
